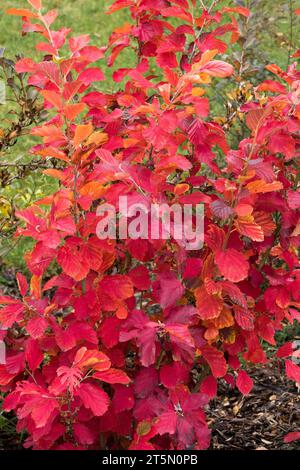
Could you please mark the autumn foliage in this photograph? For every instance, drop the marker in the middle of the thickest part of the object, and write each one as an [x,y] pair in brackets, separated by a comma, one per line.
[123,348]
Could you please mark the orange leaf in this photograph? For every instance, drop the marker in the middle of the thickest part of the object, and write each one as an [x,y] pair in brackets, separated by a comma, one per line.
[206,57]
[93,189]
[211,334]
[91,359]
[181,188]
[260,186]
[225,320]
[122,312]
[246,226]
[54,173]
[197,91]
[243,209]
[72,110]
[35,286]
[53,98]
[240,10]
[82,132]
[97,138]
[53,152]
[209,306]
[21,12]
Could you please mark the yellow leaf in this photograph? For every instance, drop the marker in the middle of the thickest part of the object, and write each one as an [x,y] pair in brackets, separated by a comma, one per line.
[206,57]
[35,286]
[198,91]
[250,174]
[143,428]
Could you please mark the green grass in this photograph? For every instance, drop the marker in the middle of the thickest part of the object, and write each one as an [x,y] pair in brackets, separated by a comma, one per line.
[82,16]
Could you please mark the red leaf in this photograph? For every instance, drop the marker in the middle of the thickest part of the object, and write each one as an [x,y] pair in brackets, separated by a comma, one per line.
[215,360]
[53,98]
[166,423]
[244,383]
[232,265]
[43,410]
[93,398]
[270,85]
[240,10]
[109,331]
[36,327]
[209,386]
[167,290]
[294,199]
[83,434]
[119,4]
[91,358]
[292,371]
[140,277]
[15,363]
[285,350]
[5,377]
[33,354]
[244,318]
[91,75]
[71,263]
[145,381]
[123,398]
[217,68]
[22,284]
[117,287]
[173,374]
[113,376]
[11,314]
[281,142]
[292,436]
[209,306]
[70,377]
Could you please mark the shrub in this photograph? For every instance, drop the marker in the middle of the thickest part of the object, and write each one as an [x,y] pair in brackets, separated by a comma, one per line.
[124,347]
[21,109]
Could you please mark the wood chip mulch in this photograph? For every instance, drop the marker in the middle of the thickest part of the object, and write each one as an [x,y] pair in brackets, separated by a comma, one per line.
[260,420]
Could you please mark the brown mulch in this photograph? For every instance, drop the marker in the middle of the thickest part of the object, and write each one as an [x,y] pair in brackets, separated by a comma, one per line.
[259,420]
